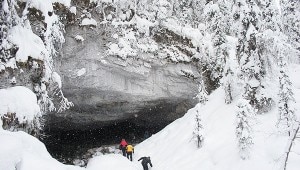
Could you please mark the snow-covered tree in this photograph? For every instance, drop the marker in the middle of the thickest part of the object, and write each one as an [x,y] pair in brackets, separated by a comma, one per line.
[217,21]
[8,19]
[270,16]
[275,47]
[198,130]
[286,117]
[247,17]
[198,135]
[162,9]
[202,93]
[188,11]
[291,22]
[244,134]
[215,26]
[227,81]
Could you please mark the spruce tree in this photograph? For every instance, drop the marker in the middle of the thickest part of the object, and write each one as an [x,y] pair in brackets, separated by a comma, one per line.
[8,19]
[291,21]
[244,134]
[247,16]
[198,131]
[217,21]
[286,110]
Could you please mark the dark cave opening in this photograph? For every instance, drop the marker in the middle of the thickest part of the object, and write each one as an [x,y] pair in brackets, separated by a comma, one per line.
[66,146]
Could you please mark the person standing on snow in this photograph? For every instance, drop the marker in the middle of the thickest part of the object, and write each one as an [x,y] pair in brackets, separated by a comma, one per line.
[129,151]
[122,146]
[145,162]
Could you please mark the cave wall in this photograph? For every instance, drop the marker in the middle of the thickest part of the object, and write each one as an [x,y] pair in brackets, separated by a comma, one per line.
[107,89]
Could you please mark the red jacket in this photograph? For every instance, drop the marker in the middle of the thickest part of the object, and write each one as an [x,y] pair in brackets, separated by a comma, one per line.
[123,143]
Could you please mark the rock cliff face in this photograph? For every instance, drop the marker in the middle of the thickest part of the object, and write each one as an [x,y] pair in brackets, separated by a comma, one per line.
[106,89]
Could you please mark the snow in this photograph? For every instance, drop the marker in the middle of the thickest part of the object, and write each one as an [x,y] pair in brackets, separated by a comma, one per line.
[13,80]
[105,1]
[111,161]
[191,33]
[115,36]
[253,82]
[73,10]
[45,6]
[56,78]
[5,6]
[88,21]
[81,72]
[29,44]
[171,148]
[123,49]
[19,100]
[79,38]
[251,30]
[64,2]
[11,63]
[2,67]
[24,152]
[143,25]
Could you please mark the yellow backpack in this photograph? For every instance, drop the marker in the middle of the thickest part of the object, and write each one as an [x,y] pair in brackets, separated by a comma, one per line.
[129,148]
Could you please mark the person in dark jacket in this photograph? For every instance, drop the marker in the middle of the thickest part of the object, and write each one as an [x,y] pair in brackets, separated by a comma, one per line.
[122,146]
[145,162]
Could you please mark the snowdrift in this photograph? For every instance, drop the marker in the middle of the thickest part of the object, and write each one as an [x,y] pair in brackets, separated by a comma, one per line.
[19,100]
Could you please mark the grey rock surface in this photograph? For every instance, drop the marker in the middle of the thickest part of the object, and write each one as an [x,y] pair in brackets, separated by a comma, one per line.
[107,89]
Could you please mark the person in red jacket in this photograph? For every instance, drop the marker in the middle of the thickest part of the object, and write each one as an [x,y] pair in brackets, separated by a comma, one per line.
[122,146]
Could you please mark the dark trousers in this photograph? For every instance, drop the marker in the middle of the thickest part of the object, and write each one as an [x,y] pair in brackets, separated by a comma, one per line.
[123,151]
[129,155]
[145,166]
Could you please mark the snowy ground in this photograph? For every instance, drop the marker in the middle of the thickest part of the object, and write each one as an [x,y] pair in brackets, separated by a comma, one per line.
[172,148]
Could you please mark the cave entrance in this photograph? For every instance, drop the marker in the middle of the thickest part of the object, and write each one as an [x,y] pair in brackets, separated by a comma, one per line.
[66,146]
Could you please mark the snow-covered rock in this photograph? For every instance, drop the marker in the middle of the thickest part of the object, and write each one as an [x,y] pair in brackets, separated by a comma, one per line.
[19,100]
[122,79]
[88,21]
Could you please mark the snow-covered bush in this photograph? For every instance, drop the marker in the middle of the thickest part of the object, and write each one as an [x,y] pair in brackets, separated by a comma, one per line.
[19,110]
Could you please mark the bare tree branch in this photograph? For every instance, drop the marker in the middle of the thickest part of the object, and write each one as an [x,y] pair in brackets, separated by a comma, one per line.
[290,144]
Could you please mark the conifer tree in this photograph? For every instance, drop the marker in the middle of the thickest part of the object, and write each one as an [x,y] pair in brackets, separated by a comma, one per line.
[216,27]
[198,131]
[202,93]
[244,136]
[286,116]
[217,21]
[291,21]
[227,81]
[252,66]
[8,19]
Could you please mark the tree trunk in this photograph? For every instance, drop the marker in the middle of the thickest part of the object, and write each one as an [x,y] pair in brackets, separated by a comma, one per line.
[289,146]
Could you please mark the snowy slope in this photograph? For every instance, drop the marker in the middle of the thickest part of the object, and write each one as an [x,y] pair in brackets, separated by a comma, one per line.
[172,148]
[24,152]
